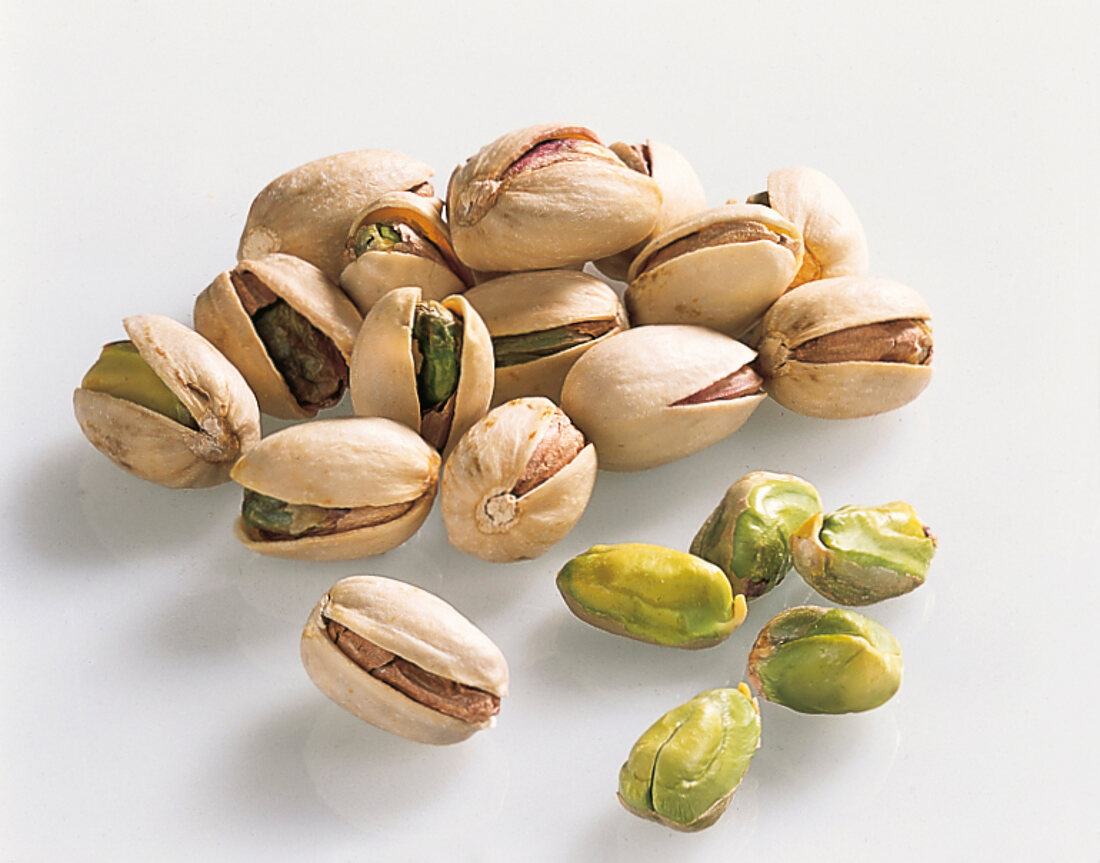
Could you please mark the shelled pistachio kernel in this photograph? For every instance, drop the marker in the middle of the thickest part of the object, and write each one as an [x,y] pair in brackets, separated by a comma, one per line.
[121,372]
[859,555]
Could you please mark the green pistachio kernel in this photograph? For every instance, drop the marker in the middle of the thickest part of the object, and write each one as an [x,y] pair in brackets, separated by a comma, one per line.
[864,554]
[762,198]
[438,339]
[307,359]
[818,660]
[375,238]
[121,372]
[653,594]
[528,347]
[748,534]
[684,769]
[278,517]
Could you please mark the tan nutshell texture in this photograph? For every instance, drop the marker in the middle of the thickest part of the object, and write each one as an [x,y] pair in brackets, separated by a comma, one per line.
[416,626]
[306,212]
[621,394]
[157,448]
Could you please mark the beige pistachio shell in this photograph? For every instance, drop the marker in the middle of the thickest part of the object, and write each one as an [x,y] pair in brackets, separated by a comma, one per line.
[419,627]
[841,389]
[373,274]
[682,195]
[621,392]
[221,318]
[480,513]
[725,287]
[542,300]
[306,212]
[157,448]
[557,215]
[342,463]
[382,370]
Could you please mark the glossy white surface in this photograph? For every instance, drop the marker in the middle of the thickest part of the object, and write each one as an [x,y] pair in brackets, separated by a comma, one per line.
[154,705]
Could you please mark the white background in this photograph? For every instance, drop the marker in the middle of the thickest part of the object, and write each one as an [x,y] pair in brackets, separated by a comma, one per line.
[153,703]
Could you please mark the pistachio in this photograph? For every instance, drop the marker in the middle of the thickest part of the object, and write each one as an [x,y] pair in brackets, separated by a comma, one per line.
[335,489]
[167,406]
[286,327]
[653,594]
[748,534]
[517,482]
[864,554]
[685,768]
[547,196]
[428,365]
[396,241]
[541,323]
[819,660]
[403,660]
[721,269]
[846,347]
[651,395]
[306,211]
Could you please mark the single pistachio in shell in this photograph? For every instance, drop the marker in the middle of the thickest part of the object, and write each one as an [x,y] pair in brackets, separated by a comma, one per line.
[167,406]
[652,594]
[306,212]
[720,269]
[541,323]
[286,327]
[335,489]
[682,195]
[846,347]
[685,768]
[864,554]
[426,364]
[651,395]
[517,482]
[544,197]
[401,240]
[825,660]
[748,534]
[403,660]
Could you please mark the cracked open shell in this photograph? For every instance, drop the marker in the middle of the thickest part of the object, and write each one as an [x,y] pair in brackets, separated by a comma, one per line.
[215,420]
[651,395]
[415,250]
[389,364]
[224,314]
[335,489]
[547,196]
[306,211]
[720,269]
[541,323]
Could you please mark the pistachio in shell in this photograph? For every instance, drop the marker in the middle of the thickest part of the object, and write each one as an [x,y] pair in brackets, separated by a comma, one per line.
[859,555]
[651,395]
[544,197]
[653,594]
[846,347]
[335,489]
[517,482]
[748,533]
[167,406]
[825,660]
[683,771]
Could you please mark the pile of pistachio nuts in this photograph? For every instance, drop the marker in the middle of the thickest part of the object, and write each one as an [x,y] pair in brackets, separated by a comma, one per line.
[487,363]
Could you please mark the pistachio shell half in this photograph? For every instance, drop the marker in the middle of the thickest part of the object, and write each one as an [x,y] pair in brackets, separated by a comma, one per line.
[306,211]
[651,395]
[403,660]
[825,660]
[517,482]
[335,489]
[650,593]
[748,534]
[547,196]
[541,323]
[846,347]
[685,768]
[167,406]
[864,554]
